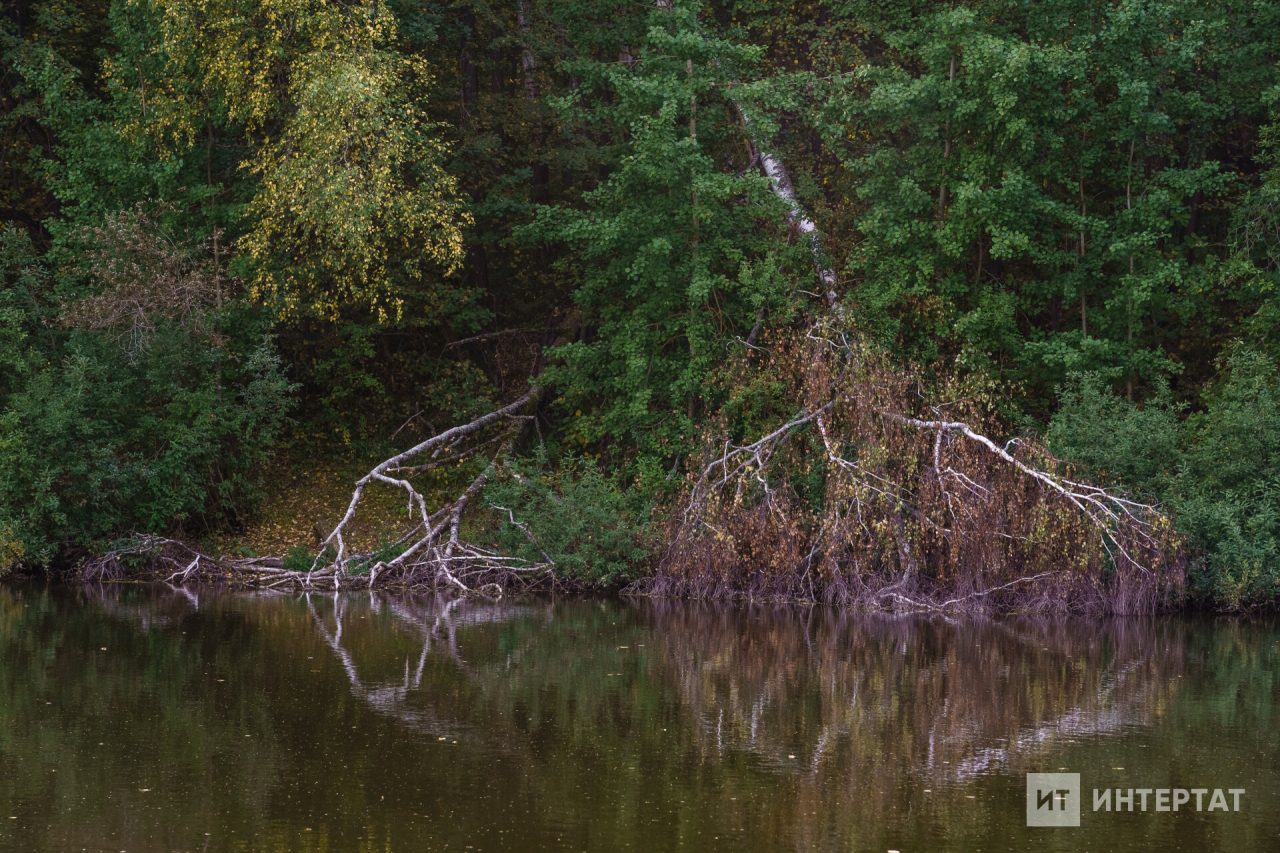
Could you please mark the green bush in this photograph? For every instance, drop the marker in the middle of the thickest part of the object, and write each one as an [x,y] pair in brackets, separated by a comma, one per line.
[1113,440]
[98,443]
[131,398]
[1217,470]
[298,559]
[583,519]
[105,437]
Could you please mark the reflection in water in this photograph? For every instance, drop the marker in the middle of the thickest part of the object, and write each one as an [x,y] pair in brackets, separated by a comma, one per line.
[433,620]
[148,719]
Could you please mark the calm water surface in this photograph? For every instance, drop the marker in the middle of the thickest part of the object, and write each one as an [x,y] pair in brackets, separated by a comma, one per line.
[140,719]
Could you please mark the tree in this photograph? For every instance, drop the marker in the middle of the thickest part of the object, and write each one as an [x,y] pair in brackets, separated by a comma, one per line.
[353,199]
[1043,190]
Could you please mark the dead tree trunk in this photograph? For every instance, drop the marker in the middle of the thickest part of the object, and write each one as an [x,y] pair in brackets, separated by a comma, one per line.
[435,546]
[529,65]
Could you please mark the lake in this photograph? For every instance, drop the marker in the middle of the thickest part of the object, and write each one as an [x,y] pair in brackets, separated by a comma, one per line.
[139,718]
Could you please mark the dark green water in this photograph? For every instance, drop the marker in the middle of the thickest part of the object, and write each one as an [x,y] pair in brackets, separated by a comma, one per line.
[141,719]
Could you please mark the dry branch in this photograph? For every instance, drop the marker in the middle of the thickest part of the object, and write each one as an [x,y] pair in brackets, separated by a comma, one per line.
[435,547]
[433,552]
[919,509]
[144,274]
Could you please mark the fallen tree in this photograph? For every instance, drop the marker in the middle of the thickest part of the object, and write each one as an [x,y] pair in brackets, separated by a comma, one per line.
[918,508]
[433,552]
[434,547]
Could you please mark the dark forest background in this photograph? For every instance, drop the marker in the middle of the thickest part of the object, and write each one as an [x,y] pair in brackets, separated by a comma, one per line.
[234,229]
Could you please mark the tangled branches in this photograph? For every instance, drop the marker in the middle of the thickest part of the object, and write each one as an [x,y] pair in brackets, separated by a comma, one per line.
[185,562]
[917,507]
[144,274]
[868,493]
[434,546]
[432,553]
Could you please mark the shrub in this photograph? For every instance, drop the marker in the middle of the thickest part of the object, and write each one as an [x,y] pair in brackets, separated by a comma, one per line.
[580,517]
[174,437]
[1218,470]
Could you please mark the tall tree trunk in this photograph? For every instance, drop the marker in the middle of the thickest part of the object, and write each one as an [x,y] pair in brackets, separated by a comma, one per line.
[467,64]
[1084,302]
[495,60]
[524,15]
[946,153]
[541,171]
[1128,205]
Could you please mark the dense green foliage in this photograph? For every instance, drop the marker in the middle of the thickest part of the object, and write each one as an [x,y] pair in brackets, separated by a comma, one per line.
[391,215]
[1218,469]
[1049,187]
[584,522]
[129,429]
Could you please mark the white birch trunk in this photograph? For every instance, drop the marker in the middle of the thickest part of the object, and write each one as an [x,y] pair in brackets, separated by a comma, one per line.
[796,215]
[524,17]
[782,188]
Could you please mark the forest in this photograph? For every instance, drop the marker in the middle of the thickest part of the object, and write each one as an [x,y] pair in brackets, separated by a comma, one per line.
[901,304]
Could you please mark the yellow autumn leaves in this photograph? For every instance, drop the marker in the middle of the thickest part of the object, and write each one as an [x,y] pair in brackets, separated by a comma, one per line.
[353,204]
[353,192]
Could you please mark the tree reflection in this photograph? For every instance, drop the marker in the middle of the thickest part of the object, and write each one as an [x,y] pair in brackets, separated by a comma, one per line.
[598,724]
